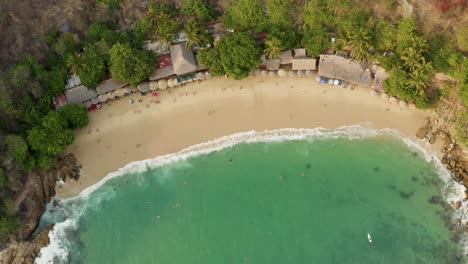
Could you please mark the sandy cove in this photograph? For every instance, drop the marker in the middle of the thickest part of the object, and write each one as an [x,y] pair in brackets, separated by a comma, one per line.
[122,132]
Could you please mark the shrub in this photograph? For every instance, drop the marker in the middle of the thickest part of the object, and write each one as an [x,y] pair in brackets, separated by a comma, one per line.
[17,147]
[462,37]
[8,225]
[76,115]
[243,15]
[3,179]
[315,41]
[201,9]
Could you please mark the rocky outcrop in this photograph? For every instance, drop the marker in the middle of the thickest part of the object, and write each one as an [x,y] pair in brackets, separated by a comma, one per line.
[39,189]
[25,251]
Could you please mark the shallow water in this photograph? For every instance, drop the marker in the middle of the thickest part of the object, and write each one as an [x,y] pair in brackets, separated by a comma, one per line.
[302,201]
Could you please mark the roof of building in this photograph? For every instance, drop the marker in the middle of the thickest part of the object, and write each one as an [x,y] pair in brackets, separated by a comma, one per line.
[336,67]
[109,86]
[72,81]
[380,76]
[286,57]
[60,100]
[304,63]
[161,73]
[273,64]
[79,94]
[183,59]
[299,53]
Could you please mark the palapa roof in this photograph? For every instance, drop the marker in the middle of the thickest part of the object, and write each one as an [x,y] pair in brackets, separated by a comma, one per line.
[299,53]
[336,67]
[286,57]
[380,76]
[109,86]
[304,63]
[273,64]
[79,94]
[161,73]
[183,59]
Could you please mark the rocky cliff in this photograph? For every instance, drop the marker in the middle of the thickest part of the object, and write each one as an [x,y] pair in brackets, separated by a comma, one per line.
[30,204]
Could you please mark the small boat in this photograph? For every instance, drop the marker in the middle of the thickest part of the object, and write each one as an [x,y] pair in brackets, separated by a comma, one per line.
[369,238]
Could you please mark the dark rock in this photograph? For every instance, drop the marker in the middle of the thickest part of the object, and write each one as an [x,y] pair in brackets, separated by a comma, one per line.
[435,199]
[405,195]
[422,132]
[444,160]
[432,140]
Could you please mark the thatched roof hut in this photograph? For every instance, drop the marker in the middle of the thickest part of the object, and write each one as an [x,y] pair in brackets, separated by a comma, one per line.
[183,59]
[109,85]
[336,67]
[299,53]
[272,65]
[384,96]
[304,63]
[161,73]
[79,94]
[286,57]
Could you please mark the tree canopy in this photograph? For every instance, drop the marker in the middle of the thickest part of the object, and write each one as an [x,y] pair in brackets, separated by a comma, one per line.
[201,9]
[243,15]
[236,55]
[76,115]
[129,64]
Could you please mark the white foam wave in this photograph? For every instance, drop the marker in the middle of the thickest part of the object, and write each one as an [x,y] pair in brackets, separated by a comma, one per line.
[57,250]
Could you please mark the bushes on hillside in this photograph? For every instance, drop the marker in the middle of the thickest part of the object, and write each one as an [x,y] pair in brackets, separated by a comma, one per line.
[201,9]
[76,115]
[243,15]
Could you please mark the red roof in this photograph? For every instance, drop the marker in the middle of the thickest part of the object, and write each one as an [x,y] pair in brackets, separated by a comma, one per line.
[60,100]
[163,61]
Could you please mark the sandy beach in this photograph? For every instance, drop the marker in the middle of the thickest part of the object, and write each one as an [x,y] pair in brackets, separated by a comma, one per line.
[122,132]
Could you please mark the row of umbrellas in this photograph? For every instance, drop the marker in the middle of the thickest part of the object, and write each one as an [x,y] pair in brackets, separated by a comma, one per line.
[143,87]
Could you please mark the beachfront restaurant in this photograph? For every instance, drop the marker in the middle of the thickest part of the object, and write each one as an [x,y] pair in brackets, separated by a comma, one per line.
[339,68]
[184,63]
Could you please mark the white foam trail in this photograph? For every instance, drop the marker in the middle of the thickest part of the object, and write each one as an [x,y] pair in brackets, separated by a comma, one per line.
[57,250]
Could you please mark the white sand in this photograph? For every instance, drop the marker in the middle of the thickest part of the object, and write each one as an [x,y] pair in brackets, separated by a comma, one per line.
[121,132]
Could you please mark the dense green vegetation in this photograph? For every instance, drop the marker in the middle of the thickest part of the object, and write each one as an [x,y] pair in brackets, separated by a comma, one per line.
[236,55]
[130,64]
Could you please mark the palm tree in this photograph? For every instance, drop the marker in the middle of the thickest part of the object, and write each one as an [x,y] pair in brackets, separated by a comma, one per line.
[419,44]
[359,43]
[412,58]
[273,47]
[76,62]
[192,33]
[418,80]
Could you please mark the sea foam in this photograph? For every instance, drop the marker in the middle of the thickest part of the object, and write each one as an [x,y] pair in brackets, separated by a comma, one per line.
[68,214]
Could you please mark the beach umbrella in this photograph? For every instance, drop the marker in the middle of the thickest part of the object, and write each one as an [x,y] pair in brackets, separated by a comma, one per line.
[111,95]
[207,75]
[384,96]
[272,74]
[323,81]
[133,89]
[119,92]
[127,90]
[143,87]
[95,100]
[87,104]
[282,73]
[103,98]
[155,94]
[412,106]
[337,82]
[373,92]
[331,81]
[393,100]
[201,76]
[309,73]
[292,73]
[162,84]
[153,85]
[318,78]
[264,73]
[300,74]
[403,103]
[257,72]
[171,83]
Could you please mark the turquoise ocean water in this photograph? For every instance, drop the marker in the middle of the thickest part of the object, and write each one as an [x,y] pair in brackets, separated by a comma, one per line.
[295,201]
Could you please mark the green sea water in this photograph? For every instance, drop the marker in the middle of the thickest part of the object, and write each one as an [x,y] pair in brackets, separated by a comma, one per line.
[300,201]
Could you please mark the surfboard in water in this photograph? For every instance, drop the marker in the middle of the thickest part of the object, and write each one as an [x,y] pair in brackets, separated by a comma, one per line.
[369,238]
